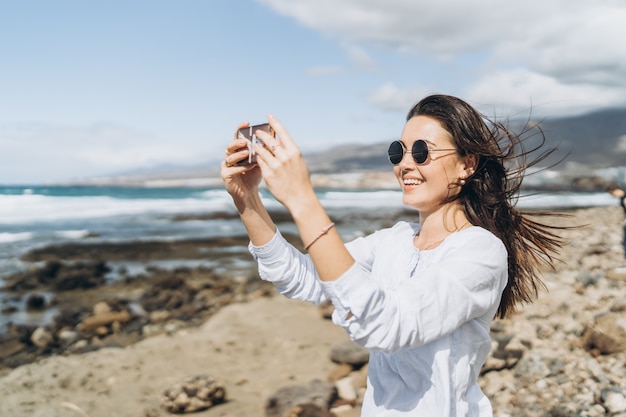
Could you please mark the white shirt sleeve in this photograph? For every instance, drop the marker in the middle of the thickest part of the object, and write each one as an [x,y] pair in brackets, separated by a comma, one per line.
[292,272]
[459,281]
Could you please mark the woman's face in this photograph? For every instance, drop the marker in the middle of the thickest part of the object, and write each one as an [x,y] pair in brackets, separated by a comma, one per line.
[426,187]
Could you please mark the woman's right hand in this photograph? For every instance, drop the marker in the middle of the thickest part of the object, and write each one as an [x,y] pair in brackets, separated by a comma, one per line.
[240,180]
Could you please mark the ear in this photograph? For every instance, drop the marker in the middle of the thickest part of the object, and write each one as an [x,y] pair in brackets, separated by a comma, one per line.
[470,163]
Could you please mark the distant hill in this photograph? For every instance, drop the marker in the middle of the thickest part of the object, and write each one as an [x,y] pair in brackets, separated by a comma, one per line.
[596,140]
[588,142]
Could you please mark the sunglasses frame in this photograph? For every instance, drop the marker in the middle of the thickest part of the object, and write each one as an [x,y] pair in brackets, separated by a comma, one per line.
[414,152]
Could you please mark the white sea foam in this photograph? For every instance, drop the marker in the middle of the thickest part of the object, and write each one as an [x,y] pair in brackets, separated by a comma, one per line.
[32,208]
[38,208]
[72,234]
[7,237]
[566,200]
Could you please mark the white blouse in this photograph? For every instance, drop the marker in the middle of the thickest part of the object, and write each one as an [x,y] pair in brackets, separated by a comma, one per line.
[424,315]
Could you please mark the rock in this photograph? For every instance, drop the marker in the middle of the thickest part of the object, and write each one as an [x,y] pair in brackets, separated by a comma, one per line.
[614,400]
[151,330]
[607,335]
[101,308]
[173,326]
[41,338]
[617,274]
[116,327]
[79,346]
[341,370]
[345,389]
[60,276]
[351,353]
[35,302]
[505,353]
[136,310]
[67,337]
[92,323]
[343,410]
[533,366]
[587,278]
[194,394]
[102,331]
[619,305]
[159,316]
[317,393]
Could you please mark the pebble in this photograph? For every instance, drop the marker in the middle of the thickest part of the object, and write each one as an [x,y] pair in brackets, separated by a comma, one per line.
[194,394]
[41,338]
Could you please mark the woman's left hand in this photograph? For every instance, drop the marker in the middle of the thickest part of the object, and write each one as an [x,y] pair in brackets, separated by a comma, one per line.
[283,167]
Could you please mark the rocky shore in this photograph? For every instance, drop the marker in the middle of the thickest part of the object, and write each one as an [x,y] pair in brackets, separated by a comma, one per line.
[224,344]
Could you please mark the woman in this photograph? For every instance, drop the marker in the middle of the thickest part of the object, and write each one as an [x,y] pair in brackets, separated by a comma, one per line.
[420,295]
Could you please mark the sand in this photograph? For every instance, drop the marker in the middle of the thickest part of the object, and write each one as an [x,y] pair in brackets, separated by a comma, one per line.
[254,348]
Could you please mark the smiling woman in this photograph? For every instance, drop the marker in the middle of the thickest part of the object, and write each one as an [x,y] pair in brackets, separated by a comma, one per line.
[420,293]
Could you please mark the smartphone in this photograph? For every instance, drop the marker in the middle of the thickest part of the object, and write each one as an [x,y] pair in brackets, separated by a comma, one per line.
[249,133]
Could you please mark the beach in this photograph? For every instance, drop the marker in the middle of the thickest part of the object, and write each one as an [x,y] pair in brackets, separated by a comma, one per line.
[552,358]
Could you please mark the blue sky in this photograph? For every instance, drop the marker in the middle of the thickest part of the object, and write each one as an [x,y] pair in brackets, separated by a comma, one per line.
[95,88]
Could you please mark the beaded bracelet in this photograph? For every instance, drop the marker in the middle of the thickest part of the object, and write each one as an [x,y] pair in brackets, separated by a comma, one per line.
[322,233]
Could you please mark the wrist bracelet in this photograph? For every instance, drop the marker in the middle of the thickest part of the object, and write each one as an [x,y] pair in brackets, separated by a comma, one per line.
[322,233]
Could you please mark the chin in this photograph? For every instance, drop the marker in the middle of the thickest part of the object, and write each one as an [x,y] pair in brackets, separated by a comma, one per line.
[411,202]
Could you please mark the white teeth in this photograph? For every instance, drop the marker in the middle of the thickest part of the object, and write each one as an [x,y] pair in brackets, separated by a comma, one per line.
[412,181]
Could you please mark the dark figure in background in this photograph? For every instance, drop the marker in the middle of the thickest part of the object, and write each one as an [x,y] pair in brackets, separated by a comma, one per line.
[617,192]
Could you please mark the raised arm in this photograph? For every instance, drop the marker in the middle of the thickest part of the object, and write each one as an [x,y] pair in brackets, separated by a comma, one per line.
[287,177]
[242,183]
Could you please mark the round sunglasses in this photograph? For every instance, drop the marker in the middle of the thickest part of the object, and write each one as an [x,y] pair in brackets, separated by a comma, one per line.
[419,151]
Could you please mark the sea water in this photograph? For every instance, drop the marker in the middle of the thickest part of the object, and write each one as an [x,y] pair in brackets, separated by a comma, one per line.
[42,215]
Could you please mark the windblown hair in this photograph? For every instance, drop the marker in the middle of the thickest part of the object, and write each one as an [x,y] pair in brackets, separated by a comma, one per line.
[489,194]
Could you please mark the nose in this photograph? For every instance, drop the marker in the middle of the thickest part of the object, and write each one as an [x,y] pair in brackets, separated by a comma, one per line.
[407,161]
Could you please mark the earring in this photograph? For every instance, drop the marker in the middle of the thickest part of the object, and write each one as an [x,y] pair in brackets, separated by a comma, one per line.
[462,180]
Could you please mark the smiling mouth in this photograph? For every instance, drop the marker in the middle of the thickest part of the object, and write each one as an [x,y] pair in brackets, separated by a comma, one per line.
[412,181]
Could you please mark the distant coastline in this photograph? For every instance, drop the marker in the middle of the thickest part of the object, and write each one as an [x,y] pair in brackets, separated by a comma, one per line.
[569,180]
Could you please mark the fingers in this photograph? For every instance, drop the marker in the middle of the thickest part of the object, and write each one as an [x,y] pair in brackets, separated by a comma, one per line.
[237,150]
[241,126]
[265,151]
[281,133]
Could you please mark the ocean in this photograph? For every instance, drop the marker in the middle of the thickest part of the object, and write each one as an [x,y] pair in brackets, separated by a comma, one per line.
[32,216]
[35,216]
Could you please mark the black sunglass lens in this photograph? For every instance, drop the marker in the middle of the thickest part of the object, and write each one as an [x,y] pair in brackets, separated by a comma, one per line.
[420,151]
[395,152]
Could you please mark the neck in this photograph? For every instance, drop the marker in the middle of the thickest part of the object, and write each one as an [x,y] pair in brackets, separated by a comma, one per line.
[434,228]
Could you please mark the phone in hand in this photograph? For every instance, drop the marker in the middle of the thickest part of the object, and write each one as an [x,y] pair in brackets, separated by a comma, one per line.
[249,133]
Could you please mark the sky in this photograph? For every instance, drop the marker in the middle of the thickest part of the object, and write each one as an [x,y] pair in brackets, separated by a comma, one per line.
[91,89]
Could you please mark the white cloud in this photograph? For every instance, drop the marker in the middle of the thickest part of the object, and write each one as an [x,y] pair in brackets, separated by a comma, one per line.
[60,151]
[568,54]
[519,90]
[390,97]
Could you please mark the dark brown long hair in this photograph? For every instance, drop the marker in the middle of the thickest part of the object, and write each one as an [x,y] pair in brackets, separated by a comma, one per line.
[490,193]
